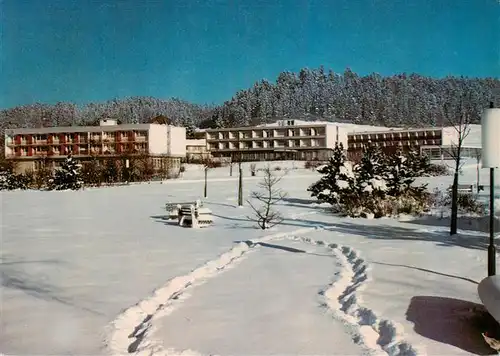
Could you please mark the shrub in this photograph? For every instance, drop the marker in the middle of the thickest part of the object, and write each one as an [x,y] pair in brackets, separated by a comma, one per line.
[467,202]
[212,164]
[436,170]
[12,181]
[312,164]
[182,169]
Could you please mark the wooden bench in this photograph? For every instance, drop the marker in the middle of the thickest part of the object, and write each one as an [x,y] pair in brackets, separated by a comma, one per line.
[489,292]
[463,188]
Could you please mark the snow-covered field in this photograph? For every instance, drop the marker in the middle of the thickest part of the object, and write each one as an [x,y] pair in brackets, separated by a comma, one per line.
[101,272]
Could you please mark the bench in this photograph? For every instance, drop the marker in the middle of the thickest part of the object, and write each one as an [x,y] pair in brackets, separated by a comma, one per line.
[463,188]
[489,293]
[190,214]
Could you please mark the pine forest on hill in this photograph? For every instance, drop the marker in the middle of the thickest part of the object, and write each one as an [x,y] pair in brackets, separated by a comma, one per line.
[399,101]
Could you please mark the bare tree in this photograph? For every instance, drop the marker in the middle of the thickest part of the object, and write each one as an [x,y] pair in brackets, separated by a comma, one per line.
[460,120]
[265,215]
[146,166]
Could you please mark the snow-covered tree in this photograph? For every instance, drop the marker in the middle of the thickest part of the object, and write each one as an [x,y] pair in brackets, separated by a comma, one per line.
[402,171]
[337,180]
[369,172]
[418,164]
[67,176]
[399,175]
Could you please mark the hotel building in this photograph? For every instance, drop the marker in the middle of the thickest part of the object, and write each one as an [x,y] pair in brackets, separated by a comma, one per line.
[283,140]
[436,142]
[31,148]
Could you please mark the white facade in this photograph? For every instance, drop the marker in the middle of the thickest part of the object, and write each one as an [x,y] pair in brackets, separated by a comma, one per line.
[176,141]
[196,142]
[154,139]
[472,140]
[284,139]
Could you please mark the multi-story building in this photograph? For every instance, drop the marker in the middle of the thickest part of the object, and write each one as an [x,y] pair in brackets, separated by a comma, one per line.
[436,142]
[31,148]
[196,150]
[285,139]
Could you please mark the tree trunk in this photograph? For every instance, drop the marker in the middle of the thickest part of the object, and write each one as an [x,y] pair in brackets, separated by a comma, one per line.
[454,205]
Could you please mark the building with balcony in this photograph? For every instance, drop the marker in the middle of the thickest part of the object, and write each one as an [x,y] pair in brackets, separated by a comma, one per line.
[283,140]
[436,142]
[196,150]
[31,148]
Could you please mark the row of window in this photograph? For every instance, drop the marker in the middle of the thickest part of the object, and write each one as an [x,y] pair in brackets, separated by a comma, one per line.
[75,137]
[266,144]
[231,135]
[394,135]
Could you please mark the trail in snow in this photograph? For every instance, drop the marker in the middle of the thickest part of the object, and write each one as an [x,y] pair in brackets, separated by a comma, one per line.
[272,296]
[379,335]
[130,331]
[133,330]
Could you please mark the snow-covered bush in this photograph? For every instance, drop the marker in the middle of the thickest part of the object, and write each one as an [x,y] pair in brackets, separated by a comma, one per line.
[68,176]
[468,203]
[379,185]
[12,181]
[437,170]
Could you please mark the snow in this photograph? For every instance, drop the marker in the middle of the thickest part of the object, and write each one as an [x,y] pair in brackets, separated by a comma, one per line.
[342,184]
[100,271]
[297,316]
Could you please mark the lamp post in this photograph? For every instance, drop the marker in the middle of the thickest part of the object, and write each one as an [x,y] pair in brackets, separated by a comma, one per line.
[490,130]
[206,177]
[240,185]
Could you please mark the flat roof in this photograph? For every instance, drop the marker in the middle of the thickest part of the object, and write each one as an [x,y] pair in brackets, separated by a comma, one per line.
[64,129]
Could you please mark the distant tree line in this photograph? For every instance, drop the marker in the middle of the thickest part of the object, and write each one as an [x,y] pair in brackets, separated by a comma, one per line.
[400,100]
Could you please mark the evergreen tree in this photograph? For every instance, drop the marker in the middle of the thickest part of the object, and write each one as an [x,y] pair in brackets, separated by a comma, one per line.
[67,176]
[399,175]
[370,172]
[418,164]
[337,181]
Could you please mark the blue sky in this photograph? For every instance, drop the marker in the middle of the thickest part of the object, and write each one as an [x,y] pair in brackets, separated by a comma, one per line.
[204,51]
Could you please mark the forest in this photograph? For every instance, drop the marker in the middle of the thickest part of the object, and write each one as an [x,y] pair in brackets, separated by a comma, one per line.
[401,100]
